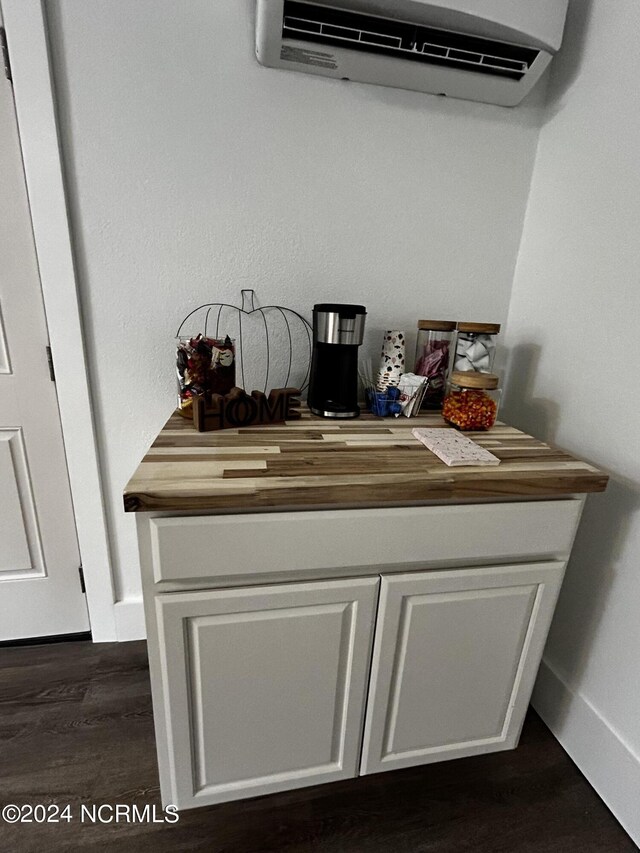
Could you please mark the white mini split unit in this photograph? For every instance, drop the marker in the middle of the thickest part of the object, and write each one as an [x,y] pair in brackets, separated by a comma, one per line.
[480,50]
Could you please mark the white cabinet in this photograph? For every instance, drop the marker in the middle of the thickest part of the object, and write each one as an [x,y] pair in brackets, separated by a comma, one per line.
[456,654]
[263,688]
[267,639]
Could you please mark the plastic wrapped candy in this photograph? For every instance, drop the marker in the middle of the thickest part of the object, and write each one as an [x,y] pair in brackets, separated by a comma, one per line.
[433,346]
[476,347]
[204,365]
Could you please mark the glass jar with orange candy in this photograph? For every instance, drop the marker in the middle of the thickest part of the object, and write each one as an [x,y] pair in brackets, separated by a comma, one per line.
[471,401]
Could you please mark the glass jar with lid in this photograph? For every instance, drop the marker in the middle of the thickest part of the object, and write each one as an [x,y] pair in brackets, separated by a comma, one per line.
[476,346]
[433,351]
[472,400]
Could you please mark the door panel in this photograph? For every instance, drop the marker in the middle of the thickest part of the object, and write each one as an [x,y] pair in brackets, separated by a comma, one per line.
[5,363]
[265,686]
[478,662]
[21,552]
[455,658]
[40,592]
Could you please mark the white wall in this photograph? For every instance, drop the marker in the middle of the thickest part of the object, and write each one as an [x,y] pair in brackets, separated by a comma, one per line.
[572,327]
[192,172]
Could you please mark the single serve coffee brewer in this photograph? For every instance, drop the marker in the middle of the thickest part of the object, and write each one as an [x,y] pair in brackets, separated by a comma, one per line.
[337,333]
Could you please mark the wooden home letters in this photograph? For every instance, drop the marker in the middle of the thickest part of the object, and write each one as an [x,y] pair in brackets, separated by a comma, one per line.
[239,409]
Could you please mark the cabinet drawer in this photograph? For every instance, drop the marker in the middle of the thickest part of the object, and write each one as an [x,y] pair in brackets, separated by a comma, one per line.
[255,545]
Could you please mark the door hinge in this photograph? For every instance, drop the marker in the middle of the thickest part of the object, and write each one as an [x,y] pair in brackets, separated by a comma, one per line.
[81,573]
[52,373]
[5,54]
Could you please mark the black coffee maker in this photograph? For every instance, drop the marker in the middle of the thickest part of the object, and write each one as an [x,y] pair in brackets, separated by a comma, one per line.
[337,333]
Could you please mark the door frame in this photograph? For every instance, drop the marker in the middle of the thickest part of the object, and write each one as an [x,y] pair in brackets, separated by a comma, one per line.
[24,21]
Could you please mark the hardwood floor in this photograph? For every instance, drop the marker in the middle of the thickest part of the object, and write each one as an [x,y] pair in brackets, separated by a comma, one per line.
[76,727]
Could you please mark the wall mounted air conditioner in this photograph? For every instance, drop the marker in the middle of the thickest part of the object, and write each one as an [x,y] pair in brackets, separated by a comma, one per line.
[481,50]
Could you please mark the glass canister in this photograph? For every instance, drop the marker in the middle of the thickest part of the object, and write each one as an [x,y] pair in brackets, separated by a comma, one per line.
[476,346]
[472,400]
[433,351]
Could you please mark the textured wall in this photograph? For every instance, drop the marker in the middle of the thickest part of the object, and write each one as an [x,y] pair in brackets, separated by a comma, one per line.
[192,172]
[573,378]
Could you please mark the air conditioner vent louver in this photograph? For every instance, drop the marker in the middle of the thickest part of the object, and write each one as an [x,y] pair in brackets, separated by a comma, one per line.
[428,45]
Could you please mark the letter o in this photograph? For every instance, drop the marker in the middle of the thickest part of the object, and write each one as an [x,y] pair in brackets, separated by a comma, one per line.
[241,411]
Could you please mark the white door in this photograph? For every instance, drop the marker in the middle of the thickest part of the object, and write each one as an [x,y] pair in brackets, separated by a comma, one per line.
[455,657]
[263,687]
[40,590]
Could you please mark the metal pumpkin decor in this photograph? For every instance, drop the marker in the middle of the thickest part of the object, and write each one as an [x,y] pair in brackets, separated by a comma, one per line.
[251,347]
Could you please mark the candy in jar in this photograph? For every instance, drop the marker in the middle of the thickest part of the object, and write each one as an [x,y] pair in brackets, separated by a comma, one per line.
[432,357]
[471,402]
[203,364]
[476,346]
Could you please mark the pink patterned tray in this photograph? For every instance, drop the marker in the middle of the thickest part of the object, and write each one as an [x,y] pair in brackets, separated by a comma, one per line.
[454,448]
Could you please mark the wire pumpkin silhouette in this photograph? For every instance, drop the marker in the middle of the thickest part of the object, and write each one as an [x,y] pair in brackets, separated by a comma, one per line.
[292,321]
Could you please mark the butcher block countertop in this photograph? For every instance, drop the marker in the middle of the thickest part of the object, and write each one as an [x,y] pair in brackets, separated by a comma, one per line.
[319,463]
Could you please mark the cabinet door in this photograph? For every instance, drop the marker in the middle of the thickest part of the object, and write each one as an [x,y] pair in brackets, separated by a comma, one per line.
[263,687]
[455,657]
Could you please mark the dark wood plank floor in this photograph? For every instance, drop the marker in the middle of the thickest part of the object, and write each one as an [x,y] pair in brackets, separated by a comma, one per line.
[76,727]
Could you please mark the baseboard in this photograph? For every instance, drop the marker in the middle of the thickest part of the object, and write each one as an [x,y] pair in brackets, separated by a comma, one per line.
[606,760]
[47,639]
[129,617]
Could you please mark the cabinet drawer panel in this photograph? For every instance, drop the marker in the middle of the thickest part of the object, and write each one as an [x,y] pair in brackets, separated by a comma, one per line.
[264,687]
[221,547]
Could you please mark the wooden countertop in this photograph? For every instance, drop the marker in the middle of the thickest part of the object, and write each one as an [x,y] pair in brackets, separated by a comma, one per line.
[319,463]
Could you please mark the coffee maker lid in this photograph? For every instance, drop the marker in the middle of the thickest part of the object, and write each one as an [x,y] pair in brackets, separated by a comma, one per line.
[341,308]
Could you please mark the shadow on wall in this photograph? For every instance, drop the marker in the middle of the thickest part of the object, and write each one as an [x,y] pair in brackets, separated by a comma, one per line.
[599,545]
[527,114]
[566,65]
[536,415]
[600,542]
